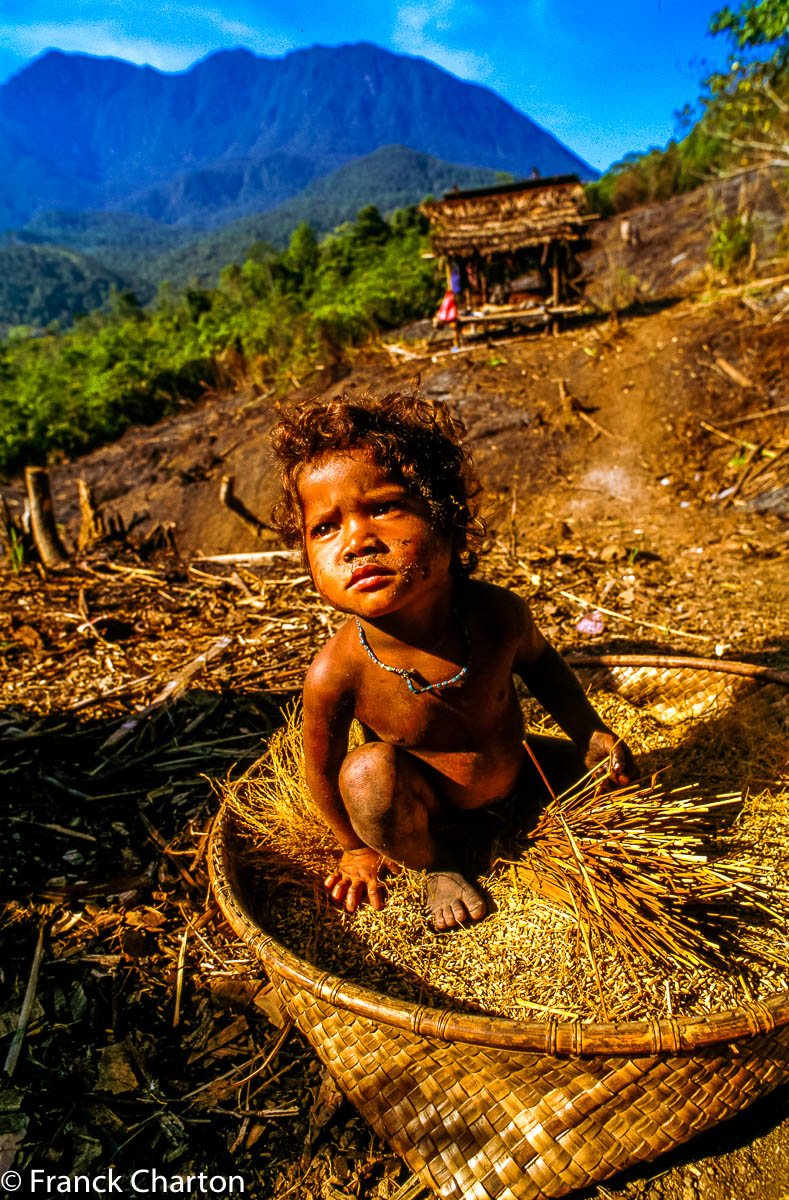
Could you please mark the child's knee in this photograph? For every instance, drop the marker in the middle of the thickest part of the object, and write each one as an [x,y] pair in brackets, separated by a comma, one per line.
[368,780]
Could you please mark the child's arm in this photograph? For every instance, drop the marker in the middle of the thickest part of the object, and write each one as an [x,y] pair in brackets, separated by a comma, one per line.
[558,690]
[328,712]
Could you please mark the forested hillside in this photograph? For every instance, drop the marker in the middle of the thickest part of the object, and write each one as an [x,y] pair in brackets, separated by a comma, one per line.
[391,178]
[281,313]
[138,253]
[40,284]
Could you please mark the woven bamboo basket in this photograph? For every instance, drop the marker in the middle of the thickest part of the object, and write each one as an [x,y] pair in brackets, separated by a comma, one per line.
[487,1108]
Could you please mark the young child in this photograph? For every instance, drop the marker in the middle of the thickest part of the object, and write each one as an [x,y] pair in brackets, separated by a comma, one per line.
[380,494]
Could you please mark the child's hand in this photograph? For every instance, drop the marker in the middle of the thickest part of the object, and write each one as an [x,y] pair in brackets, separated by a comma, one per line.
[357,873]
[606,749]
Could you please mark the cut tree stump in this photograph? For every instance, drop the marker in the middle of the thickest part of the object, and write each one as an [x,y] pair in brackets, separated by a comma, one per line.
[42,518]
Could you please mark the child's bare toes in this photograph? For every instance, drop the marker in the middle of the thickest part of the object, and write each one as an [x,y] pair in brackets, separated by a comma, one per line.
[452,899]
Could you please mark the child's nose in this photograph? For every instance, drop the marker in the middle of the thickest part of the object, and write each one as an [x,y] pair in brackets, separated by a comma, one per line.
[360,539]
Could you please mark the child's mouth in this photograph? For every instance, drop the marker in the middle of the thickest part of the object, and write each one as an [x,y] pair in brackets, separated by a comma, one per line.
[369,577]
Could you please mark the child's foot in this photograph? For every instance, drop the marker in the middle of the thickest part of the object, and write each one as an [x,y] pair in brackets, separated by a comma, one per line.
[452,900]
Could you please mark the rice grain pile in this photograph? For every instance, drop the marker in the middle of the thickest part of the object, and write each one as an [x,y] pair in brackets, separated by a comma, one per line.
[668,898]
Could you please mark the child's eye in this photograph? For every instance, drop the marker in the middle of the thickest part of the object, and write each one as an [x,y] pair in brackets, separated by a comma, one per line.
[321,529]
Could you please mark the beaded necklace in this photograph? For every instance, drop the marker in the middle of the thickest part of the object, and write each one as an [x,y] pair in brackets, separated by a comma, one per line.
[407,675]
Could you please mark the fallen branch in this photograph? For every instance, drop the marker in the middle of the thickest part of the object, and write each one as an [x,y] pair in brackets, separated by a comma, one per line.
[736,376]
[117,693]
[755,283]
[734,440]
[169,692]
[598,428]
[401,350]
[15,1049]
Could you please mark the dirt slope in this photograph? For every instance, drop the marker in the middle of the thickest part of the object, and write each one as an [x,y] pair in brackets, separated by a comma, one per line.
[600,421]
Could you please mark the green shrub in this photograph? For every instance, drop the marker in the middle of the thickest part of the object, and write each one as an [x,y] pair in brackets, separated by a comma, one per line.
[730,244]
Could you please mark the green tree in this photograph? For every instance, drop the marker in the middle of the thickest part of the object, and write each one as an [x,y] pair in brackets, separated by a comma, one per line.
[302,256]
[755,23]
[747,105]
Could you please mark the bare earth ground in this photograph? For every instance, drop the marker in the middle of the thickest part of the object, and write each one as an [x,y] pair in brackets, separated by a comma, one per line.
[605,490]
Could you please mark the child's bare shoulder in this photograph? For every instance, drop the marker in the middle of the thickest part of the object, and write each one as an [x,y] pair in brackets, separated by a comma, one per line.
[498,605]
[333,673]
[506,620]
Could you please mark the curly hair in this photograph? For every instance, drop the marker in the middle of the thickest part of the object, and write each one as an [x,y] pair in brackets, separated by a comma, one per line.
[413,438]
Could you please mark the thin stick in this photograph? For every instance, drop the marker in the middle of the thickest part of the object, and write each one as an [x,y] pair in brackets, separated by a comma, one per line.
[113,694]
[179,978]
[169,691]
[61,829]
[700,637]
[765,412]
[15,1049]
[234,1070]
[533,757]
[254,556]
[735,441]
[588,946]
[581,865]
[598,428]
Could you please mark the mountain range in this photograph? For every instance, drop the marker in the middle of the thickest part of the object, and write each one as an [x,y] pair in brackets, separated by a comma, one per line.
[114,175]
[239,133]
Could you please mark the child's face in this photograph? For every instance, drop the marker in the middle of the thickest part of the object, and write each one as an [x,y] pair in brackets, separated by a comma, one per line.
[369,542]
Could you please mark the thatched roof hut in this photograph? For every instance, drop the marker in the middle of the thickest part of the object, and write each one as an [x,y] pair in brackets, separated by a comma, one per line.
[516,243]
[500,220]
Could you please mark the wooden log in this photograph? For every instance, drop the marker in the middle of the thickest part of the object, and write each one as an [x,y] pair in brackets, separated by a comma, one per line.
[42,518]
[91,528]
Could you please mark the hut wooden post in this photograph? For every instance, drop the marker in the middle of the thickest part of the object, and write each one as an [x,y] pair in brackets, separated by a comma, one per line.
[42,518]
[556,274]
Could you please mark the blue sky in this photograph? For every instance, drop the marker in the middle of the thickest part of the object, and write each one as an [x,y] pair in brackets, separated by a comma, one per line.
[604,78]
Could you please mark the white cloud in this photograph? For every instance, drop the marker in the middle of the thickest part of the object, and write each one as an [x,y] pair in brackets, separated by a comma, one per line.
[204,30]
[415,32]
[100,39]
[238,32]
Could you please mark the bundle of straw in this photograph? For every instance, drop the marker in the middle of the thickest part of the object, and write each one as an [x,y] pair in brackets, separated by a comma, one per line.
[638,867]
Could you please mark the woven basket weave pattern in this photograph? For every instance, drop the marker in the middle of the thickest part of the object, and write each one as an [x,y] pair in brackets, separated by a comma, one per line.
[485,1124]
[490,1109]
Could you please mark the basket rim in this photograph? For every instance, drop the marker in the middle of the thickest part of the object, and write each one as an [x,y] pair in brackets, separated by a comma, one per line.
[653,1036]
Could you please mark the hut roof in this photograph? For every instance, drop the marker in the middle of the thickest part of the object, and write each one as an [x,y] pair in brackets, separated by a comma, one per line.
[507,218]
